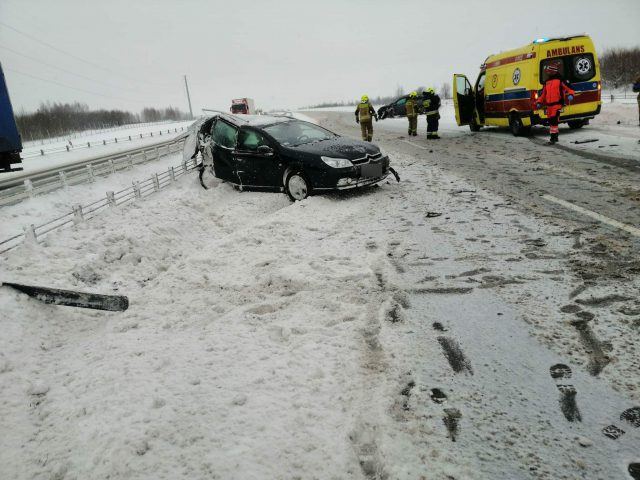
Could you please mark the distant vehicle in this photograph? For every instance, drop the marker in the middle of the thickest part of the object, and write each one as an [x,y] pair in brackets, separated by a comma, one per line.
[245,106]
[284,154]
[10,142]
[509,84]
[396,108]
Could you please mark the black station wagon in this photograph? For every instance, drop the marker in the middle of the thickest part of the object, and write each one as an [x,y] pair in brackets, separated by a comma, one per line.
[264,152]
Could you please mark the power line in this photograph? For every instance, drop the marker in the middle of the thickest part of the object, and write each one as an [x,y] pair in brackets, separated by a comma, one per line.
[65,70]
[73,88]
[74,56]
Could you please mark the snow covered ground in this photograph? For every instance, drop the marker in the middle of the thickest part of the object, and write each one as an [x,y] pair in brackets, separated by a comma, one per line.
[359,335]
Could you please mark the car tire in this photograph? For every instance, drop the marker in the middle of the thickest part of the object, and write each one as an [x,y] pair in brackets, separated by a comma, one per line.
[297,186]
[516,126]
[575,124]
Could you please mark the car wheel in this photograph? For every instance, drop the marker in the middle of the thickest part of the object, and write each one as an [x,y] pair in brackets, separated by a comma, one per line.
[297,186]
[575,124]
[516,126]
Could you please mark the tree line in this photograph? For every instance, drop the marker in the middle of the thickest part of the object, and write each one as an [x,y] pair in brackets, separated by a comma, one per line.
[619,67]
[445,92]
[59,119]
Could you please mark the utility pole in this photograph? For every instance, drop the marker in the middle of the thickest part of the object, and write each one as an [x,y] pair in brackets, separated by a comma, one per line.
[188,97]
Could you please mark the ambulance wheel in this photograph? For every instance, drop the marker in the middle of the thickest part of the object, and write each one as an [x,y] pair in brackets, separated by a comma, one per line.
[575,124]
[516,126]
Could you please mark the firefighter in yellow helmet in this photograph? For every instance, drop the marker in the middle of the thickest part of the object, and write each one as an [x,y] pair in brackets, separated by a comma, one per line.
[364,114]
[411,107]
[430,106]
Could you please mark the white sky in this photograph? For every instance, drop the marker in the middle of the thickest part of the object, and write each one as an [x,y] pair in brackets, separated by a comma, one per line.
[284,54]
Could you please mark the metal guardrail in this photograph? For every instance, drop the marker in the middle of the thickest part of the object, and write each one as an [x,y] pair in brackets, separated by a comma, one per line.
[106,141]
[16,189]
[34,234]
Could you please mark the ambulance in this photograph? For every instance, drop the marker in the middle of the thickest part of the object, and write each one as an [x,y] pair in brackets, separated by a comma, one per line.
[508,86]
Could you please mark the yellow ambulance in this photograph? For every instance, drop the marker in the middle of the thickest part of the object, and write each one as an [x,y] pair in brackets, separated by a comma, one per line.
[508,86]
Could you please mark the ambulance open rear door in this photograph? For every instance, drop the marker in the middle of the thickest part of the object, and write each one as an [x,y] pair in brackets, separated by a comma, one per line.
[463,99]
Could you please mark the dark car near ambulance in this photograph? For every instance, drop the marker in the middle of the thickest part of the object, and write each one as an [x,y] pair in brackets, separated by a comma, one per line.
[285,154]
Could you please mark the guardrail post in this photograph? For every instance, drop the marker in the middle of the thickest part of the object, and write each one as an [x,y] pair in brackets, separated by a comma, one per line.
[157,153]
[63,180]
[28,187]
[104,142]
[92,178]
[152,134]
[78,216]
[136,189]
[140,135]
[129,137]
[88,144]
[41,152]
[184,166]
[172,174]
[129,161]
[112,165]
[67,146]
[144,155]
[156,182]
[30,236]
[116,139]
[111,199]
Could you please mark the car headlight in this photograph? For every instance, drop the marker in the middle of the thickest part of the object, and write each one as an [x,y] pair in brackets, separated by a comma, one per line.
[337,162]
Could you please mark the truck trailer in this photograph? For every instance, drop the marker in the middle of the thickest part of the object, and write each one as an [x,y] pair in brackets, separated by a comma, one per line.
[10,142]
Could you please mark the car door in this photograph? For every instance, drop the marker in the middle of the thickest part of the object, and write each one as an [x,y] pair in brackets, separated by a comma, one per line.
[463,99]
[224,136]
[399,107]
[257,161]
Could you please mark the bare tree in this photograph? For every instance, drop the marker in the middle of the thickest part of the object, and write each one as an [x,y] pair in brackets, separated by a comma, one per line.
[620,66]
[445,91]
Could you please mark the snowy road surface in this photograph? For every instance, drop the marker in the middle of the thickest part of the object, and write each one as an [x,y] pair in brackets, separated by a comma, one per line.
[346,336]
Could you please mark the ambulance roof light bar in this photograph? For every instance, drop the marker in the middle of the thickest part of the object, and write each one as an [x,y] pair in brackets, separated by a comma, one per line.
[541,40]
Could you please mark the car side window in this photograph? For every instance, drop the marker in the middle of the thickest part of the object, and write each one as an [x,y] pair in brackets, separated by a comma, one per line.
[401,102]
[250,140]
[224,134]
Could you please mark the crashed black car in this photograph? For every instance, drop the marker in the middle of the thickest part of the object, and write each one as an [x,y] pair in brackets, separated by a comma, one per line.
[394,109]
[260,152]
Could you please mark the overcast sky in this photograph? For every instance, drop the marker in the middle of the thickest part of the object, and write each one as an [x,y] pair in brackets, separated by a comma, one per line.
[284,54]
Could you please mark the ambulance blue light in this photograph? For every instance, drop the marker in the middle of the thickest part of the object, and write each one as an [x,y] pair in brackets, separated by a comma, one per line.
[540,40]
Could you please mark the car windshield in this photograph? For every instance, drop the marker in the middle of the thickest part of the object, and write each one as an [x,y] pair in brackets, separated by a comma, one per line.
[297,133]
[238,108]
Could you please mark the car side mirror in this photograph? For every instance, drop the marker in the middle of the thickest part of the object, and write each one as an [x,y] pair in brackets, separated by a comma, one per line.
[265,150]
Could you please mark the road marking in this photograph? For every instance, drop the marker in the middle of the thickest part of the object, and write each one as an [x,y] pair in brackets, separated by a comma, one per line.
[414,144]
[601,218]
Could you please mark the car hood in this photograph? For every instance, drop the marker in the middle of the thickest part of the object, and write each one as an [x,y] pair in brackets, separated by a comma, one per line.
[340,147]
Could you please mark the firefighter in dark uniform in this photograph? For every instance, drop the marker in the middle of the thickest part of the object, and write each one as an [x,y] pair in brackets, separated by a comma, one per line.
[364,114]
[554,93]
[430,106]
[412,113]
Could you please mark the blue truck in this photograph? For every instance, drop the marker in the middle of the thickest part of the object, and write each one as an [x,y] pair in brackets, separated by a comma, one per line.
[10,142]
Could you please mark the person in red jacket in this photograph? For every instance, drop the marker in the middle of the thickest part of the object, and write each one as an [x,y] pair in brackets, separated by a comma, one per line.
[554,94]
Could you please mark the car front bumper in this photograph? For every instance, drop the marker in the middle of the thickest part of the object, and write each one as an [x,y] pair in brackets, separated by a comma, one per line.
[348,178]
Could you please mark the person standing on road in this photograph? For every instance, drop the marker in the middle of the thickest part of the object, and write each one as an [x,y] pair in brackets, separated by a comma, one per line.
[412,113]
[364,114]
[430,106]
[554,93]
[636,88]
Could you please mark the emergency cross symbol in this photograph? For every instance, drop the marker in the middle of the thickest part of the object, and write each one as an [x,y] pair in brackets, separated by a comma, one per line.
[516,76]
[583,66]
